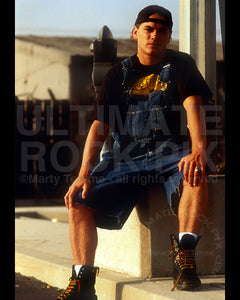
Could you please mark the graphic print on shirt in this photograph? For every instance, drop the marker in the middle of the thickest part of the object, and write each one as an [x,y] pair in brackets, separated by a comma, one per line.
[148,84]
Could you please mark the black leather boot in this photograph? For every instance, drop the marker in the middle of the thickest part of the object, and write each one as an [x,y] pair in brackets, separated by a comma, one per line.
[81,286]
[184,266]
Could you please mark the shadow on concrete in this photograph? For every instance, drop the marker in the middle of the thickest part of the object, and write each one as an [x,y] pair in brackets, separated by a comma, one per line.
[120,286]
[30,214]
[205,287]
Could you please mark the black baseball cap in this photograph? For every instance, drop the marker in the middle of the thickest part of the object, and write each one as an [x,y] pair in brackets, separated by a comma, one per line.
[145,16]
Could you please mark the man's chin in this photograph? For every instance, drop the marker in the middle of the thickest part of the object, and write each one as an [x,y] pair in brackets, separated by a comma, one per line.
[155,52]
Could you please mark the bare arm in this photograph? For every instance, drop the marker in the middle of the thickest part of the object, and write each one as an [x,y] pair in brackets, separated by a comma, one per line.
[197,128]
[93,145]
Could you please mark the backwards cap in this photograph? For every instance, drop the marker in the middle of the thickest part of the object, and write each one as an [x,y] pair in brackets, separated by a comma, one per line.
[145,13]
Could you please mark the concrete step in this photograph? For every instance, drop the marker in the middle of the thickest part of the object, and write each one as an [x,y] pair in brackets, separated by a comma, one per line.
[43,251]
[111,285]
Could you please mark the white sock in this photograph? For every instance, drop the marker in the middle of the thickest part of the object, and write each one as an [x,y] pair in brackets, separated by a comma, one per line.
[181,234]
[77,268]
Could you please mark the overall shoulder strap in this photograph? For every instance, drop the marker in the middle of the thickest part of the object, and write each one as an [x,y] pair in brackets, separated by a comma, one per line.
[126,67]
[165,73]
[127,62]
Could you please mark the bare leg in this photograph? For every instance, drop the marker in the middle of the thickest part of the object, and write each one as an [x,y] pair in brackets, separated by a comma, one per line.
[192,207]
[83,235]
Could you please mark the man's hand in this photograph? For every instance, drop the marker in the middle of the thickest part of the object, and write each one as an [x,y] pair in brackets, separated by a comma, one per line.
[80,183]
[193,167]
[93,145]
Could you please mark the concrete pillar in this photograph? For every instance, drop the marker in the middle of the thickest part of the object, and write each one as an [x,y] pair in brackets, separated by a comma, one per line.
[197,36]
[222,21]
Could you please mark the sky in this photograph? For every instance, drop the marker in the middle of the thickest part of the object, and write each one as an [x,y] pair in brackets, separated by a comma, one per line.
[86,17]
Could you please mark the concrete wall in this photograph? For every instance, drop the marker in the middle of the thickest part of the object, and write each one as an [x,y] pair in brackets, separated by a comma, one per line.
[38,68]
[141,248]
[41,67]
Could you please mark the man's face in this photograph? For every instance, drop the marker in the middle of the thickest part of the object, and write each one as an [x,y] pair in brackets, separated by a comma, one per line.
[152,37]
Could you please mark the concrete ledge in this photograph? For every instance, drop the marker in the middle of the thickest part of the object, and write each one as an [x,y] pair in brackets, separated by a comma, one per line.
[54,274]
[116,286]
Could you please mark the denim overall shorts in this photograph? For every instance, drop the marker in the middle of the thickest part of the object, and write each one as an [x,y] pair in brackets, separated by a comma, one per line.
[146,151]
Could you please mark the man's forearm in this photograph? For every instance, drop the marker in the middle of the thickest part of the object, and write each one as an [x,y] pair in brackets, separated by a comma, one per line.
[196,122]
[93,145]
[193,165]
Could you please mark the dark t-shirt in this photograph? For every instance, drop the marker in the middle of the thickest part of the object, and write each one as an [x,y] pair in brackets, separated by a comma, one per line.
[186,80]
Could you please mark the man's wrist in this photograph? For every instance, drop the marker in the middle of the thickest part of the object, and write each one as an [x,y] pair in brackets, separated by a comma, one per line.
[200,147]
[84,173]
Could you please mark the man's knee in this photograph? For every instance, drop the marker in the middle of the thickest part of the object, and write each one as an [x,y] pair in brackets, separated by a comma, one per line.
[79,213]
[200,191]
[199,186]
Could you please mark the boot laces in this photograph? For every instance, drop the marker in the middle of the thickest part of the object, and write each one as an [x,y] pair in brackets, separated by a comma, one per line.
[73,285]
[185,259]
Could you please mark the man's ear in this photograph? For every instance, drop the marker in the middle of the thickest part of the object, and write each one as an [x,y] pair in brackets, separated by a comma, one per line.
[135,33]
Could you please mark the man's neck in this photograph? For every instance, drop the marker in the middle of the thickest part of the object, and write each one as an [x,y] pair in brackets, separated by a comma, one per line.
[148,60]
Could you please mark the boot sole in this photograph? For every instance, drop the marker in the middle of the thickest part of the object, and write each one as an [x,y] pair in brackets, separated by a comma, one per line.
[188,287]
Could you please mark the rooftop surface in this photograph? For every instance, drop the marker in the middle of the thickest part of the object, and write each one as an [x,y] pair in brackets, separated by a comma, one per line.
[80,45]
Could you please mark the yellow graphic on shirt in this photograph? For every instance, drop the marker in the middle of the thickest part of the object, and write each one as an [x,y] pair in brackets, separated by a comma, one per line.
[148,84]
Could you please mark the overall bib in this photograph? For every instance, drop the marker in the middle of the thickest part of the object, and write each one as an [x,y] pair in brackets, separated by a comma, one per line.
[147,149]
